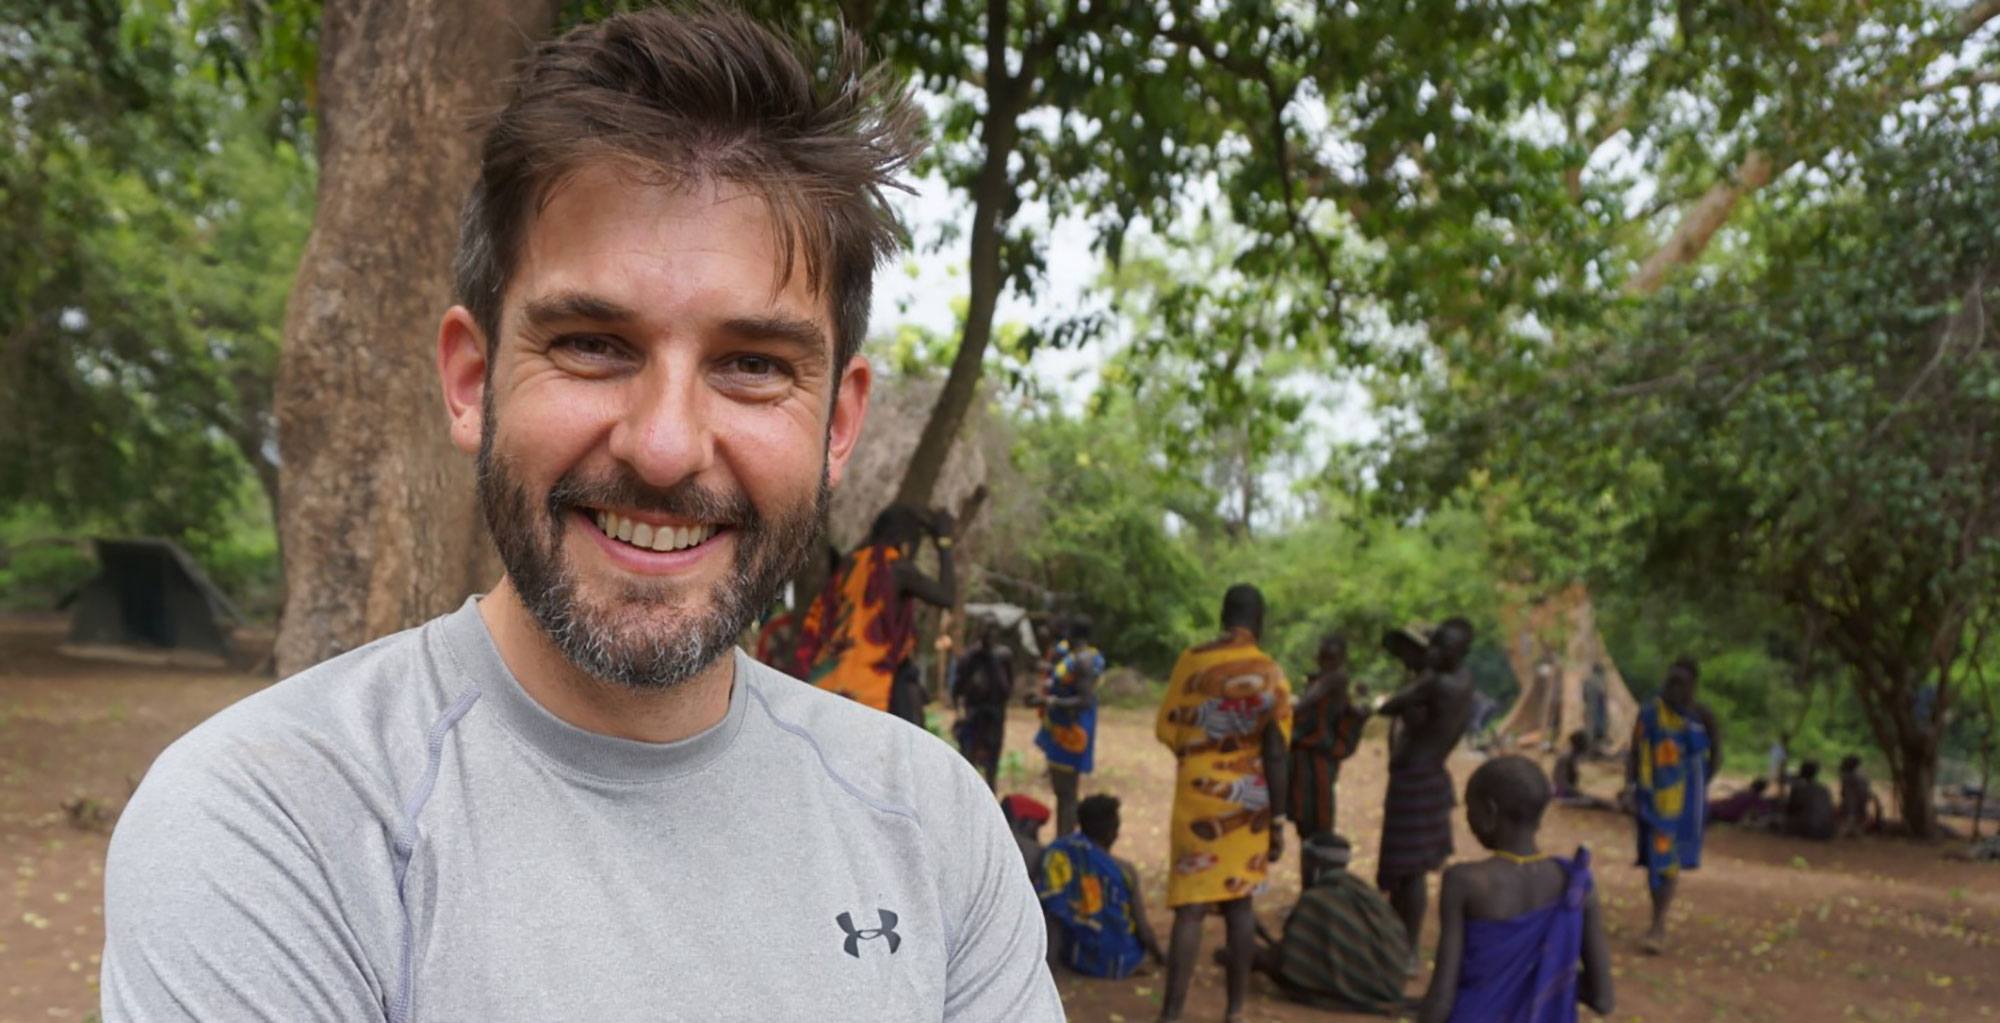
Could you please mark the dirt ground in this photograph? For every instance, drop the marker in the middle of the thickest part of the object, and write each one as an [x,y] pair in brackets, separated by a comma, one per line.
[1769,929]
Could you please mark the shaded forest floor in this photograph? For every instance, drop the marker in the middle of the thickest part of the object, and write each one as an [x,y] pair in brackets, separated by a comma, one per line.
[1769,929]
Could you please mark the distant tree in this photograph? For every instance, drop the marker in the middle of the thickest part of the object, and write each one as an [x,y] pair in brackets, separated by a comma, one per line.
[154,204]
[1110,112]
[1814,427]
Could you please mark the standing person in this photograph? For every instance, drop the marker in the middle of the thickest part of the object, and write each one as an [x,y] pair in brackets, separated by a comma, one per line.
[1549,680]
[1095,909]
[981,687]
[1857,799]
[1520,936]
[863,625]
[1675,751]
[1596,708]
[1326,729]
[1068,736]
[1416,810]
[1809,809]
[1226,716]
[573,798]
[1779,761]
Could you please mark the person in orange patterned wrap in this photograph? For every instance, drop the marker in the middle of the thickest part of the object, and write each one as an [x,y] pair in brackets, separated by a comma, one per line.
[1227,716]
[862,626]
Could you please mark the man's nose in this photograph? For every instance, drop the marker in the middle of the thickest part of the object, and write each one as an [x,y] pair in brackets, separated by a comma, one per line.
[665,434]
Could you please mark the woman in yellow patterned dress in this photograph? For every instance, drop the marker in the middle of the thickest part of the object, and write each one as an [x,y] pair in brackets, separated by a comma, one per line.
[1227,716]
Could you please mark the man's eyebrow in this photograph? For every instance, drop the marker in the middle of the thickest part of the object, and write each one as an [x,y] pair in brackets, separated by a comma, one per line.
[787,330]
[577,305]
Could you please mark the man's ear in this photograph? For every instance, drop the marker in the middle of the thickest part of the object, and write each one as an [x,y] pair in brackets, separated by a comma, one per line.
[462,352]
[850,407]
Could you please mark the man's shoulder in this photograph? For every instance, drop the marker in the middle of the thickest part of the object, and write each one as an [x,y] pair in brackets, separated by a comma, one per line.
[884,760]
[350,712]
[330,746]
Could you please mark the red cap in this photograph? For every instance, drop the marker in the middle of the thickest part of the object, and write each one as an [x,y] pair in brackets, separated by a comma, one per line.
[1025,808]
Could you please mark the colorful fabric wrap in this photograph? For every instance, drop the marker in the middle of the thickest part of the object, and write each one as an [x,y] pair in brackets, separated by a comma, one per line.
[1322,737]
[1671,791]
[1085,889]
[1068,736]
[1524,969]
[1220,700]
[859,629]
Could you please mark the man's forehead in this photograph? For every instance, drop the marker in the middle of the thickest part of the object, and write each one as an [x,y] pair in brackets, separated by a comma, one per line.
[636,243]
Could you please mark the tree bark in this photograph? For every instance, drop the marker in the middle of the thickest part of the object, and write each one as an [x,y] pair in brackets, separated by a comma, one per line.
[991,194]
[379,524]
[1916,777]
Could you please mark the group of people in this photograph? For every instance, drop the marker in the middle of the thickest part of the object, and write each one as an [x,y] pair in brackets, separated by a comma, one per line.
[1802,806]
[1252,763]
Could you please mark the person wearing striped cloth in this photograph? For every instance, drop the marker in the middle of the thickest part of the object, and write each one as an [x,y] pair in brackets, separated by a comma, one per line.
[1416,810]
[1343,947]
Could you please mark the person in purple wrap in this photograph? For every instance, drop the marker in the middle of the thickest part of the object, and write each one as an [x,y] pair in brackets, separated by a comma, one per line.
[1520,937]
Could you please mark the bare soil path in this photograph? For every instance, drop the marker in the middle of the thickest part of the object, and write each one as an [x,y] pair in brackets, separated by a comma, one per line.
[1769,930]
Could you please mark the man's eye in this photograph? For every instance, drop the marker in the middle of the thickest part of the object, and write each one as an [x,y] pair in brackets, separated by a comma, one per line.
[758,366]
[590,346]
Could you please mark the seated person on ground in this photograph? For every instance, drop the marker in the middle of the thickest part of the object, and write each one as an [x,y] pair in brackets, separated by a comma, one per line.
[1750,806]
[1343,948]
[1860,808]
[1096,915]
[1569,776]
[1513,929]
[1809,809]
[1025,817]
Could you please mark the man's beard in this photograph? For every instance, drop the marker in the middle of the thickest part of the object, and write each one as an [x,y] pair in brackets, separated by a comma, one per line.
[635,640]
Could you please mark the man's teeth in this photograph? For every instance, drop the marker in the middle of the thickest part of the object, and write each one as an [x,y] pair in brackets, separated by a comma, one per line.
[651,537]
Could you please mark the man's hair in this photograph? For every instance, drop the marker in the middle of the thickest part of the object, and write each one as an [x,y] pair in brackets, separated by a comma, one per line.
[1079,630]
[1242,606]
[1579,740]
[1759,784]
[1809,770]
[692,96]
[1096,814]
[1515,785]
[1850,764]
[1686,664]
[1336,640]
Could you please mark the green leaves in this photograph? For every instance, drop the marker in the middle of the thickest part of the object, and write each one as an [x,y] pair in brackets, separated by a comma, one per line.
[153,223]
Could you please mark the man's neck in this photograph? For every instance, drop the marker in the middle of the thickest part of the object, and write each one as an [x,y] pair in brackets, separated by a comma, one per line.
[592,704]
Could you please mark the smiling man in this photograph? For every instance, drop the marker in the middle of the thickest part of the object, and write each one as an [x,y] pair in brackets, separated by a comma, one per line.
[574,798]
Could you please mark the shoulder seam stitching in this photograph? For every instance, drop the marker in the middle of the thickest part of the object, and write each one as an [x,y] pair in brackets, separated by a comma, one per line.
[406,840]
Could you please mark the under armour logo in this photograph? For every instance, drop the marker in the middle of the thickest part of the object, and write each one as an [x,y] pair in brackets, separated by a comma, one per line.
[856,937]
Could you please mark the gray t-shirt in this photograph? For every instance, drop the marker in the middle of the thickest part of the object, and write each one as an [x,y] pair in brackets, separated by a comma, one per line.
[402,833]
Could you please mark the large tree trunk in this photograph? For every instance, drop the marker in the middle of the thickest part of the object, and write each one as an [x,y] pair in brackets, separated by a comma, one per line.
[378,519]
[1914,768]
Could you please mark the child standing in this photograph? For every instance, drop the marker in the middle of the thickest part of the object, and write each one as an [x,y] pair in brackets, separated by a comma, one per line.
[1515,928]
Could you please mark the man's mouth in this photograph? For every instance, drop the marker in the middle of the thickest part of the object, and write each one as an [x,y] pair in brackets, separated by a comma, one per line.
[651,536]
